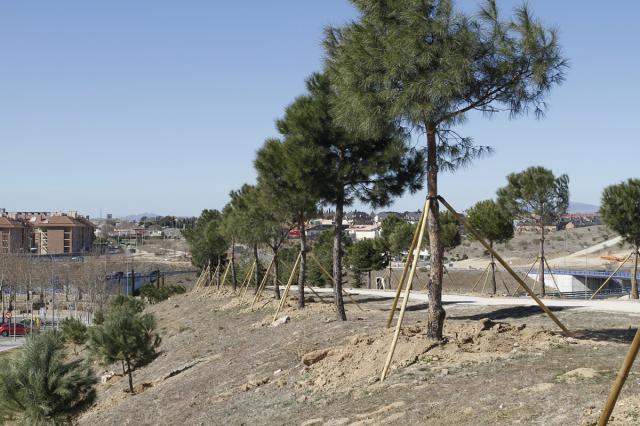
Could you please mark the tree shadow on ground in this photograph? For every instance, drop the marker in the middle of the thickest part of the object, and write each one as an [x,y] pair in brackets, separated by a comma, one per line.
[513,312]
[612,335]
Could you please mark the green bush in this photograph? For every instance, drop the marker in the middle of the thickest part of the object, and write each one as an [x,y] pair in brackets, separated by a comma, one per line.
[39,387]
[155,295]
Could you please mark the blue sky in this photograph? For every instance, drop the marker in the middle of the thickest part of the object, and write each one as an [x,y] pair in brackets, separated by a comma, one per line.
[158,105]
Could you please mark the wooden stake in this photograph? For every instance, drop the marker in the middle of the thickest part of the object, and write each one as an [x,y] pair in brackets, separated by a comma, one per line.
[505,265]
[503,282]
[246,281]
[620,379]
[480,278]
[314,292]
[611,276]
[410,256]
[328,275]
[527,275]
[263,284]
[486,278]
[407,291]
[224,276]
[283,300]
[210,282]
[552,276]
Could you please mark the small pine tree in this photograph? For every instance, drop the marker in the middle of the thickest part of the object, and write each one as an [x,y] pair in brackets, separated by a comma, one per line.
[125,335]
[74,331]
[38,386]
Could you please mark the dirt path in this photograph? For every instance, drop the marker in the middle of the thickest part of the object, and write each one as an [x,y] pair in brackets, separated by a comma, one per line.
[223,364]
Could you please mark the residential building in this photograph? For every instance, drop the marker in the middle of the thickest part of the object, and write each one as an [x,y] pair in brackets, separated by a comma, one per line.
[45,233]
[364,232]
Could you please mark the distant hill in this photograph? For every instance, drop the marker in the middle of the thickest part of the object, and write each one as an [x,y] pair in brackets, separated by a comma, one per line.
[137,217]
[576,207]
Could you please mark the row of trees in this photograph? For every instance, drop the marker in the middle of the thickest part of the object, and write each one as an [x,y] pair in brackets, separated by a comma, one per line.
[403,68]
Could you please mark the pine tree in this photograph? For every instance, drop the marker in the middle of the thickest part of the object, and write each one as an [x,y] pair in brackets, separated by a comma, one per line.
[536,195]
[621,212]
[73,331]
[286,174]
[125,335]
[207,240]
[39,387]
[349,166]
[427,66]
[367,256]
[495,224]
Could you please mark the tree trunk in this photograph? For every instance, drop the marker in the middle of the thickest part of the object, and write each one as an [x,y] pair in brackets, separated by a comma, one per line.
[337,260]
[257,269]
[543,290]
[369,279]
[130,376]
[634,280]
[436,313]
[234,277]
[276,285]
[302,273]
[494,287]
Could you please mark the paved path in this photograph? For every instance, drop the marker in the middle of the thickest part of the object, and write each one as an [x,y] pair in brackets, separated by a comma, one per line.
[626,306]
[7,343]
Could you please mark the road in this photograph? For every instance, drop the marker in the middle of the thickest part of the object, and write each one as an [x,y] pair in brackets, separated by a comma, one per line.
[7,343]
[625,306]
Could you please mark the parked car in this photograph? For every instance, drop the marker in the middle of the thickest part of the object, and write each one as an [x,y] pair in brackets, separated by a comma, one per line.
[7,329]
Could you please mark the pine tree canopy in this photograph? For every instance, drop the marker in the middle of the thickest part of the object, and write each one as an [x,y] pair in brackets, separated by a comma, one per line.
[535,194]
[621,210]
[493,222]
[425,63]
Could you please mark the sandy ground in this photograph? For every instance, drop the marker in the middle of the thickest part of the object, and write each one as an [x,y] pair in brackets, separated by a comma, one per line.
[221,363]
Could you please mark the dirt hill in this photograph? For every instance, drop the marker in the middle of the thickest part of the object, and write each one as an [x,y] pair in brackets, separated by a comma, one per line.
[220,363]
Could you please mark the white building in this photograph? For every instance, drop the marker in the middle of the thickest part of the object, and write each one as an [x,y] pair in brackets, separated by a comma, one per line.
[364,232]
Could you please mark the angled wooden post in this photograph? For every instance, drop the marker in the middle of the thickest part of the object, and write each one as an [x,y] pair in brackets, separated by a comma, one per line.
[224,276]
[611,276]
[263,284]
[527,275]
[283,300]
[246,282]
[506,266]
[552,276]
[407,291]
[480,277]
[210,282]
[407,264]
[504,284]
[620,379]
[328,275]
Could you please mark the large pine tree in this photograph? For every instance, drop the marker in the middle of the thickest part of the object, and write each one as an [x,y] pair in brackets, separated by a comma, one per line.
[427,66]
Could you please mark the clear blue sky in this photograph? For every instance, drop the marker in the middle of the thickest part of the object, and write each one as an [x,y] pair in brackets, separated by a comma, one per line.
[159,106]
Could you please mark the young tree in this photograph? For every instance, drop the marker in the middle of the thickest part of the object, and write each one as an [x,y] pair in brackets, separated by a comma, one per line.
[74,331]
[367,256]
[230,231]
[348,166]
[428,66]
[287,172]
[207,241]
[124,334]
[396,234]
[39,387]
[495,224]
[621,212]
[536,195]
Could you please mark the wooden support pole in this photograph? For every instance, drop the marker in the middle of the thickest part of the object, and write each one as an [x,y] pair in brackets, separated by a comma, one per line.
[328,275]
[224,276]
[504,284]
[505,265]
[316,293]
[611,276]
[263,284]
[407,291]
[198,283]
[283,300]
[210,282]
[246,281]
[486,278]
[620,379]
[480,278]
[527,275]
[407,264]
[552,276]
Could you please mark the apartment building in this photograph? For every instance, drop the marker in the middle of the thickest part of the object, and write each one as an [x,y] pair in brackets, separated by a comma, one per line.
[45,233]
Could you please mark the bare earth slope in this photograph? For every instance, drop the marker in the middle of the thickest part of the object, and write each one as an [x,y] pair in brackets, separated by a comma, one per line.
[223,364]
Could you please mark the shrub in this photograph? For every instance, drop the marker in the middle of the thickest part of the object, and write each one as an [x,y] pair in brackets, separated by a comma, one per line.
[73,331]
[155,295]
[38,386]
